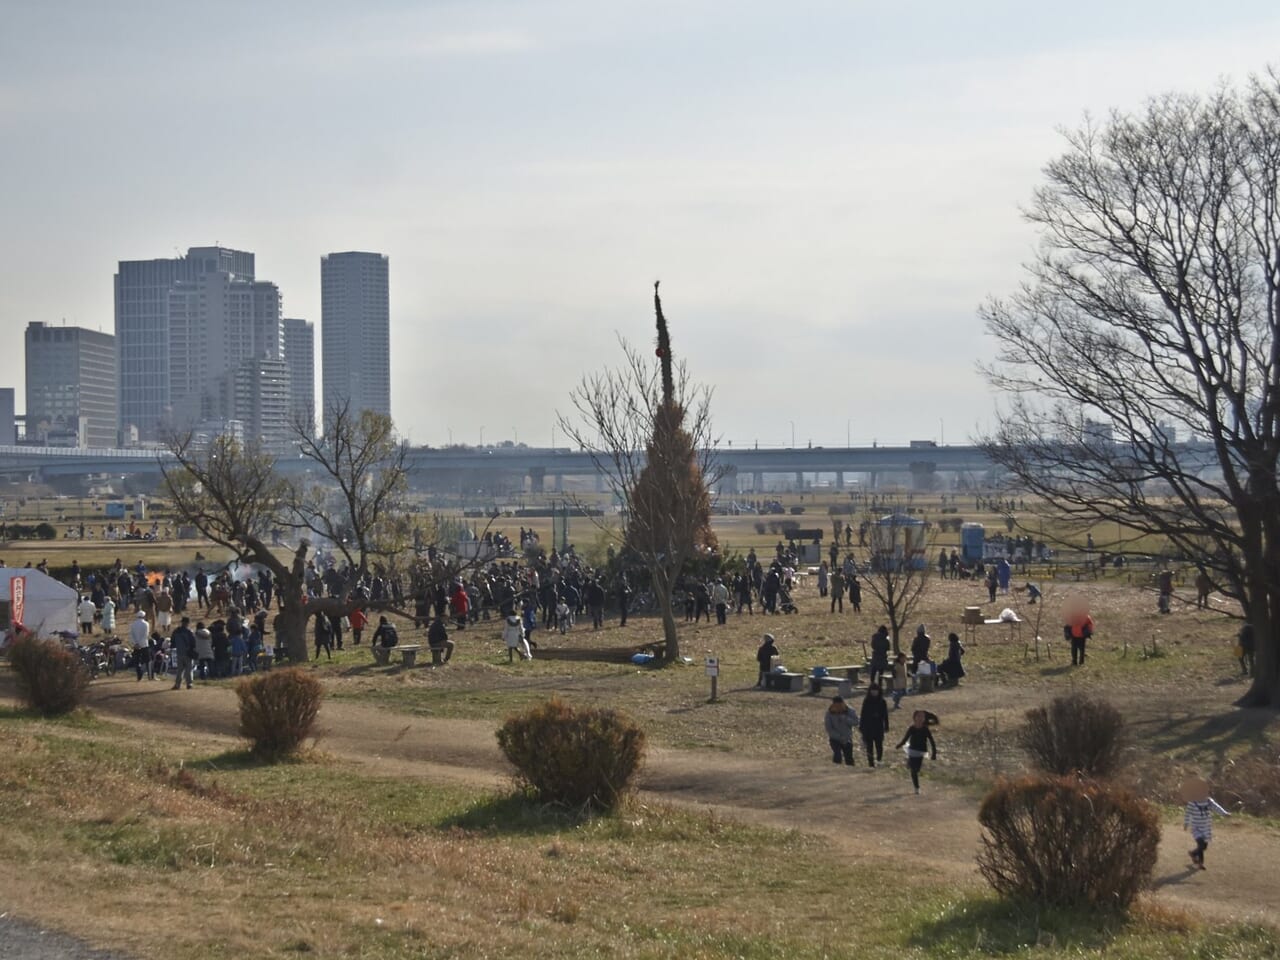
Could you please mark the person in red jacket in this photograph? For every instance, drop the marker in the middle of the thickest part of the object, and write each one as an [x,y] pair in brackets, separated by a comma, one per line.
[357,619]
[461,604]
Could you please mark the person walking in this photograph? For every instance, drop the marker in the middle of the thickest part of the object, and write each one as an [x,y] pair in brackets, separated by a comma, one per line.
[183,643]
[1079,629]
[1197,818]
[720,600]
[1245,646]
[839,724]
[824,575]
[855,592]
[919,742]
[880,645]
[323,636]
[900,679]
[513,635]
[873,724]
[140,642]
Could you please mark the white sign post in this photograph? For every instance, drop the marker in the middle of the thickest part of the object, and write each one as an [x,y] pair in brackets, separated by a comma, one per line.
[713,671]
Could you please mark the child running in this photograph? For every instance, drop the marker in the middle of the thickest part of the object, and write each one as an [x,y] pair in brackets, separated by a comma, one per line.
[1198,818]
[916,739]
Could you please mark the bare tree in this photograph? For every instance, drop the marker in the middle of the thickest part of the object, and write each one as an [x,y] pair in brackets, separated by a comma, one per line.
[356,501]
[648,430]
[1151,310]
[233,495]
[899,571]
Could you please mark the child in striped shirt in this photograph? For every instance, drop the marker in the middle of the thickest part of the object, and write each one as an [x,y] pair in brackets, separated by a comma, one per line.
[1198,818]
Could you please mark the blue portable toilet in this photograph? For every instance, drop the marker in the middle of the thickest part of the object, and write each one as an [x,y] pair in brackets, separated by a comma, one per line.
[973,542]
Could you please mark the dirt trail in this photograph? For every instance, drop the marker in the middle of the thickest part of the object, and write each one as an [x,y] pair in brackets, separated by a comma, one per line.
[859,811]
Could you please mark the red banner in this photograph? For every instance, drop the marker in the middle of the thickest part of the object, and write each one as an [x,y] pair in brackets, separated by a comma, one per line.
[17,599]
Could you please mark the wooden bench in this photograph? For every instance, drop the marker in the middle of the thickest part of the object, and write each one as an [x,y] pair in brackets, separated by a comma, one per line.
[784,682]
[842,685]
[408,654]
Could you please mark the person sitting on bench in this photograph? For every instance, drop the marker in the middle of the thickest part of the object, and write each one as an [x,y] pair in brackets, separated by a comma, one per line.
[386,634]
[438,638]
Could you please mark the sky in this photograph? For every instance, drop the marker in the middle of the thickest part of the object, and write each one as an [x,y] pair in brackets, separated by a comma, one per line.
[827,190]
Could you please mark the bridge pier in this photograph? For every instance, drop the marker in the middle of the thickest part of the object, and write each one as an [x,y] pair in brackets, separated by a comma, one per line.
[559,483]
[728,482]
[800,480]
[924,475]
[600,484]
[757,481]
[839,479]
[537,479]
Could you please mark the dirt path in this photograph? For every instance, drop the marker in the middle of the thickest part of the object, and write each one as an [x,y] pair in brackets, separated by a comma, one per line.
[860,811]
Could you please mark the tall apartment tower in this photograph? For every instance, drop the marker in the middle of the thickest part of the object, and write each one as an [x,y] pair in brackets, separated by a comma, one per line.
[355,331]
[300,355]
[71,386]
[142,325]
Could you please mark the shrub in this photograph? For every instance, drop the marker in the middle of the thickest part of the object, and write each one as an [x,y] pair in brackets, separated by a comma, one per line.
[278,710]
[1066,841]
[577,758]
[50,678]
[1074,734]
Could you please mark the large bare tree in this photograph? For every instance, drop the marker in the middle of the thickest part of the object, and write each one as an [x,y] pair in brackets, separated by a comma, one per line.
[1140,356]
[352,504]
[648,430]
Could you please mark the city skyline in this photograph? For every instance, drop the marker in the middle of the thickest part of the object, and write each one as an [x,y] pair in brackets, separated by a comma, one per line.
[826,192]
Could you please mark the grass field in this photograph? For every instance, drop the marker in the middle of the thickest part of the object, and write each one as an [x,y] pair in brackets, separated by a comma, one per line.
[332,857]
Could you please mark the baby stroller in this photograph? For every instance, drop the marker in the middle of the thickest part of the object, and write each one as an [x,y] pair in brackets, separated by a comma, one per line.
[785,603]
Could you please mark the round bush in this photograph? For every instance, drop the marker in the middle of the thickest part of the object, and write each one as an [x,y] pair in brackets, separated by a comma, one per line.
[50,678]
[1074,734]
[1066,841]
[580,759]
[278,710]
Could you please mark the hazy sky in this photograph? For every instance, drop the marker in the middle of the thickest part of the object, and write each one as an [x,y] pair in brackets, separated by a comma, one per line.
[827,190]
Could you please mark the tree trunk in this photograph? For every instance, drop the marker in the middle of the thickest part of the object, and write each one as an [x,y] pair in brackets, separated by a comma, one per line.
[291,631]
[662,592]
[1264,614]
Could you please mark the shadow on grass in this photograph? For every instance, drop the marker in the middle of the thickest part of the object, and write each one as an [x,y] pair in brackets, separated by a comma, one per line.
[243,759]
[512,814]
[998,927]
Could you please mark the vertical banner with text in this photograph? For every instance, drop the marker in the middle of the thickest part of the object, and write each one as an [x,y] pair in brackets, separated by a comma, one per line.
[17,599]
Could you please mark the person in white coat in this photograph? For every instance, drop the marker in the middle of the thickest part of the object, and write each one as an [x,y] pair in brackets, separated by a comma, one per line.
[87,612]
[108,616]
[140,642]
[514,637]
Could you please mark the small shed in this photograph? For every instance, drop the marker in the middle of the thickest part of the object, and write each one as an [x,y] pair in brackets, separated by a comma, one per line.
[898,540]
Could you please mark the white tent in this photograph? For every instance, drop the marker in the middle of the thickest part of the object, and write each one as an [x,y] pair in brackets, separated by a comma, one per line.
[50,605]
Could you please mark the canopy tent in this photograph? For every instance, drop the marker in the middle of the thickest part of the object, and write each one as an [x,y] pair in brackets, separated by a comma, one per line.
[50,605]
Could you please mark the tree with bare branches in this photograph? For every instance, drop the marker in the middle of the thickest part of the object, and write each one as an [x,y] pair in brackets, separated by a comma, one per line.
[1141,356]
[352,503]
[648,430]
[899,571]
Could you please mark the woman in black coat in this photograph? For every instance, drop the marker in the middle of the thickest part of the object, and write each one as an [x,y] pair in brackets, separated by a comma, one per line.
[873,723]
[951,668]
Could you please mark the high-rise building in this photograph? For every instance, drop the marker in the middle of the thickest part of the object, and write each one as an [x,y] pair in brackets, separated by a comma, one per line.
[355,332]
[256,393]
[217,322]
[8,421]
[300,355]
[71,386]
[142,326]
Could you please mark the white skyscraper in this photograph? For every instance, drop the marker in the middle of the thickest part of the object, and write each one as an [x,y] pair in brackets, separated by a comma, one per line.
[355,331]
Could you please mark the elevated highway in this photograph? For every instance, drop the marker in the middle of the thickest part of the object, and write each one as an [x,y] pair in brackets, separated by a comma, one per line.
[744,468]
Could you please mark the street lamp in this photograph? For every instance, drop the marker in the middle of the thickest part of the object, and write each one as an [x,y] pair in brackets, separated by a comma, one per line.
[482,435]
[450,429]
[793,433]
[848,432]
[553,436]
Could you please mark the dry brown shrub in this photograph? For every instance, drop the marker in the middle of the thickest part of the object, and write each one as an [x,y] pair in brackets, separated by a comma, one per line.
[1067,841]
[278,710]
[50,678]
[1074,734]
[580,759]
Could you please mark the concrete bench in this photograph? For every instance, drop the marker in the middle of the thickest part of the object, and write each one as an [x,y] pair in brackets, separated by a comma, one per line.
[785,682]
[848,671]
[841,684]
[408,654]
